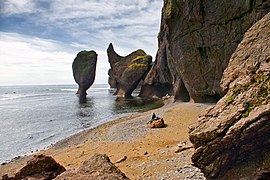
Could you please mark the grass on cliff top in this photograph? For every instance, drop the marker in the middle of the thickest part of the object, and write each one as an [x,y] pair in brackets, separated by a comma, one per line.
[140,51]
[141,57]
[88,54]
[83,61]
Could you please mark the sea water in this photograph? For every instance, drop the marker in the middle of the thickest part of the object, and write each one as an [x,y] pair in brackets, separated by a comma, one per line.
[34,117]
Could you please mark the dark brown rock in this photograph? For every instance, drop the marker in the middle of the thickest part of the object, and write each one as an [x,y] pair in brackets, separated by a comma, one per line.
[40,167]
[98,166]
[127,72]
[196,41]
[84,71]
[231,139]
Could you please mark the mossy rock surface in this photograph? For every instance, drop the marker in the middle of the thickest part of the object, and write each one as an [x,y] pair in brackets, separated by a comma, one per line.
[84,69]
[126,72]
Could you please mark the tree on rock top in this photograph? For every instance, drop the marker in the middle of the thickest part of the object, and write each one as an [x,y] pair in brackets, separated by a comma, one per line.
[84,71]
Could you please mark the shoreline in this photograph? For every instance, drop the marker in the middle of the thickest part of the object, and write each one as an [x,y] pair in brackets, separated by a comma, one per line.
[149,152]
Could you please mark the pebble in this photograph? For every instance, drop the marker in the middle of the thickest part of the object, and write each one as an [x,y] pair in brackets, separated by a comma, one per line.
[162,152]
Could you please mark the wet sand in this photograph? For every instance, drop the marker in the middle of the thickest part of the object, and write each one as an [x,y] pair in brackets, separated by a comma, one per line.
[149,152]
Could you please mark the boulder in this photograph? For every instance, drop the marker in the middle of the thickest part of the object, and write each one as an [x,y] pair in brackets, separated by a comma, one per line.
[156,123]
[40,167]
[196,41]
[84,72]
[98,166]
[127,72]
[231,139]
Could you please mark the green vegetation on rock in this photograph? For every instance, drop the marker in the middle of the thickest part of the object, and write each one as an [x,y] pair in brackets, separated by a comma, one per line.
[88,54]
[83,62]
[141,57]
[261,96]
[171,8]
[258,81]
[139,61]
[137,65]
[141,52]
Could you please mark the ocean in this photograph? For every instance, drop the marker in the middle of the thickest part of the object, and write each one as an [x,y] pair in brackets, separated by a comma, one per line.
[35,117]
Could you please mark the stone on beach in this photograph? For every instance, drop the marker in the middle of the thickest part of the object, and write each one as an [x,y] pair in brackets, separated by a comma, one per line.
[98,166]
[178,149]
[40,167]
[157,123]
[121,159]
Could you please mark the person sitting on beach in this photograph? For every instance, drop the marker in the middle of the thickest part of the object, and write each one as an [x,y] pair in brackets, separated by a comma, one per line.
[154,117]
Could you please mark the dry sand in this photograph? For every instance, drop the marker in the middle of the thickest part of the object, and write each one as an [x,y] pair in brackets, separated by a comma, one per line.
[149,151]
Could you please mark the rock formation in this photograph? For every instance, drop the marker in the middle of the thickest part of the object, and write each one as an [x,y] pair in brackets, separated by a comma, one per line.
[84,71]
[231,139]
[156,123]
[196,41]
[127,72]
[40,167]
[97,167]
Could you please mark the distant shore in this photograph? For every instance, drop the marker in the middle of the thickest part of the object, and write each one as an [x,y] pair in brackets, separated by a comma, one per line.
[149,152]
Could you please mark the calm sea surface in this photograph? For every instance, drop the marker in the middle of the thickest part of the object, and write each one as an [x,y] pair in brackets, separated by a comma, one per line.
[34,117]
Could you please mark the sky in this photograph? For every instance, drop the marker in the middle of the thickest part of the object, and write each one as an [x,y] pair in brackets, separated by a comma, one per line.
[39,39]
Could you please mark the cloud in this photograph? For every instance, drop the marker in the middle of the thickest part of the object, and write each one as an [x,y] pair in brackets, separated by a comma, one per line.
[11,7]
[72,25]
[32,60]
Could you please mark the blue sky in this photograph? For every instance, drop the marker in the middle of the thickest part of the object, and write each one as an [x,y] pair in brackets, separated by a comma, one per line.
[39,39]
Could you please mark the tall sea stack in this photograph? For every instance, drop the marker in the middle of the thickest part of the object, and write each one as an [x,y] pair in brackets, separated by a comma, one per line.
[84,72]
[196,41]
[127,72]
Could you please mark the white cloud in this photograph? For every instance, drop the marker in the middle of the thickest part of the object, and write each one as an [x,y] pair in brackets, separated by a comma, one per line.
[17,7]
[85,24]
[31,60]
[97,22]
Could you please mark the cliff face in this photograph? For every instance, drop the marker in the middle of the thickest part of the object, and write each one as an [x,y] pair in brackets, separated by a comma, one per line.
[127,72]
[84,71]
[231,139]
[196,41]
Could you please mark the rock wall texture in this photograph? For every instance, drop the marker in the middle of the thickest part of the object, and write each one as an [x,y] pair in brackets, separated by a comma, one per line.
[196,41]
[98,167]
[127,72]
[84,71]
[232,138]
[40,167]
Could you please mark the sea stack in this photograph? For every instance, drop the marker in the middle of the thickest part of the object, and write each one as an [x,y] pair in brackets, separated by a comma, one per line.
[196,41]
[231,139]
[127,72]
[84,72]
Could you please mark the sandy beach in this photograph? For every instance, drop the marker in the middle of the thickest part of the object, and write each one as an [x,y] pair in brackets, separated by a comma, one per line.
[149,152]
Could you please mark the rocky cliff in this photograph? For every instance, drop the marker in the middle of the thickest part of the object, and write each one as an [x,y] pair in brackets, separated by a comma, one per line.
[127,72]
[84,71]
[196,41]
[231,139]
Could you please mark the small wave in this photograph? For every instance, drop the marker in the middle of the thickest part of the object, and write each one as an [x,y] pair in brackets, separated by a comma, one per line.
[72,90]
[101,88]
[20,96]
[47,138]
[91,89]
